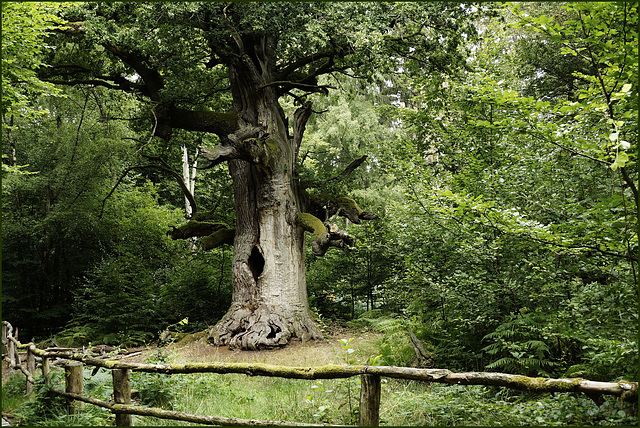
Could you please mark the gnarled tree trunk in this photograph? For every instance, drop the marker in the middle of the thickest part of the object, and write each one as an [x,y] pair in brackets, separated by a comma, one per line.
[269,303]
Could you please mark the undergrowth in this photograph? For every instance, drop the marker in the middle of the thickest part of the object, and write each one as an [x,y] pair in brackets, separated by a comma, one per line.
[332,401]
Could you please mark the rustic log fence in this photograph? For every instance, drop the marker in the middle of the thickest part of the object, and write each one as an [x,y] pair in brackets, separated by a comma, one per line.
[369,394]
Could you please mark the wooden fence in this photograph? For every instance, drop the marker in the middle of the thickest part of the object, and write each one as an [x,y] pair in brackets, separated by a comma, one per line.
[369,394]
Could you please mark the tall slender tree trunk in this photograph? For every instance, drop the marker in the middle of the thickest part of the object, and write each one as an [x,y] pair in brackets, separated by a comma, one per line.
[189,177]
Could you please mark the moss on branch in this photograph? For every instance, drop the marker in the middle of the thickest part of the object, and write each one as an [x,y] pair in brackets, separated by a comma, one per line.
[324,236]
[312,224]
[213,234]
[216,239]
[194,228]
[330,205]
[220,123]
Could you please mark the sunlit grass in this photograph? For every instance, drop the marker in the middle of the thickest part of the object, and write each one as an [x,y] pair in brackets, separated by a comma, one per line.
[336,401]
[13,392]
[264,398]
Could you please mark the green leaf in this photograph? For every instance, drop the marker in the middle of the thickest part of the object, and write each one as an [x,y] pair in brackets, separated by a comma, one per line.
[621,160]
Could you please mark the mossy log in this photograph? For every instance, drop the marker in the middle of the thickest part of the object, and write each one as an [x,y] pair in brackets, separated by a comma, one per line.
[216,239]
[203,215]
[213,234]
[624,389]
[312,224]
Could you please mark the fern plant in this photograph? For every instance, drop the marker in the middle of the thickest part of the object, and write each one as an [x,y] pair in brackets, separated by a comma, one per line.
[519,346]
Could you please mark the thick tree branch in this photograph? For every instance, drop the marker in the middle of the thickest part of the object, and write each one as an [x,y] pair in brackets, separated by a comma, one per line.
[194,228]
[300,118]
[217,155]
[213,234]
[246,144]
[290,76]
[285,86]
[324,235]
[219,123]
[349,169]
[153,81]
[286,71]
[93,82]
[218,238]
[326,206]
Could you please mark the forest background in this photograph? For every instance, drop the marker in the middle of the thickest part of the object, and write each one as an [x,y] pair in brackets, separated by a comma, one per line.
[506,190]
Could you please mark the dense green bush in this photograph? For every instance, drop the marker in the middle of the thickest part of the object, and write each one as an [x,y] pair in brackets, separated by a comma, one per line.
[197,286]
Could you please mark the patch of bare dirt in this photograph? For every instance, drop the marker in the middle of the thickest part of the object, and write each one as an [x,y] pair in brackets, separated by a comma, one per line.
[327,350]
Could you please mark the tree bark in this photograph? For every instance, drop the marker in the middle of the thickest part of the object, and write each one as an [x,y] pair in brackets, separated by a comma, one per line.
[122,395]
[370,391]
[269,301]
[73,376]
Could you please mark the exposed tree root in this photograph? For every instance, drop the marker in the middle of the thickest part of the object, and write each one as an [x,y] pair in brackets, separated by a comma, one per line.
[261,328]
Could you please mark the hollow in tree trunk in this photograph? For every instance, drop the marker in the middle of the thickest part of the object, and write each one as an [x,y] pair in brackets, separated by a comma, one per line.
[269,302]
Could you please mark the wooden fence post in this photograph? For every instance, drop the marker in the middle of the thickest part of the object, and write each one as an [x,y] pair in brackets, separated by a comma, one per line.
[15,347]
[46,368]
[122,395]
[369,400]
[5,348]
[73,383]
[31,368]
[12,354]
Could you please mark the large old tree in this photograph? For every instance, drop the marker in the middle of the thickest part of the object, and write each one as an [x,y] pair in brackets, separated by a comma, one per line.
[221,68]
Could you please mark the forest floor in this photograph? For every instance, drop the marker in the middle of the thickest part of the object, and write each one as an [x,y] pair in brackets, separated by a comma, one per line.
[194,348]
[327,401]
[326,350]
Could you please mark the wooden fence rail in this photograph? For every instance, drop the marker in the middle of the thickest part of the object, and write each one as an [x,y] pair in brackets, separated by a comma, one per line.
[369,394]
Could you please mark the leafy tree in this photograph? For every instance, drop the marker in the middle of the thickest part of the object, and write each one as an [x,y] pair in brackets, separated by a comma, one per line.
[50,229]
[119,300]
[25,27]
[525,190]
[221,69]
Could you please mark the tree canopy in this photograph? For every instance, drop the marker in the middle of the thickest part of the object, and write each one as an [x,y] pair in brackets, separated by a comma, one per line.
[478,164]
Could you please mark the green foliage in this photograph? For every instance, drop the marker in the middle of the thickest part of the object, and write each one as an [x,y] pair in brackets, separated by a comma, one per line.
[43,405]
[197,287]
[506,184]
[47,409]
[50,229]
[520,346]
[484,406]
[605,342]
[394,346]
[514,202]
[116,297]
[156,390]
[336,401]
[607,359]
[25,26]
[13,392]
